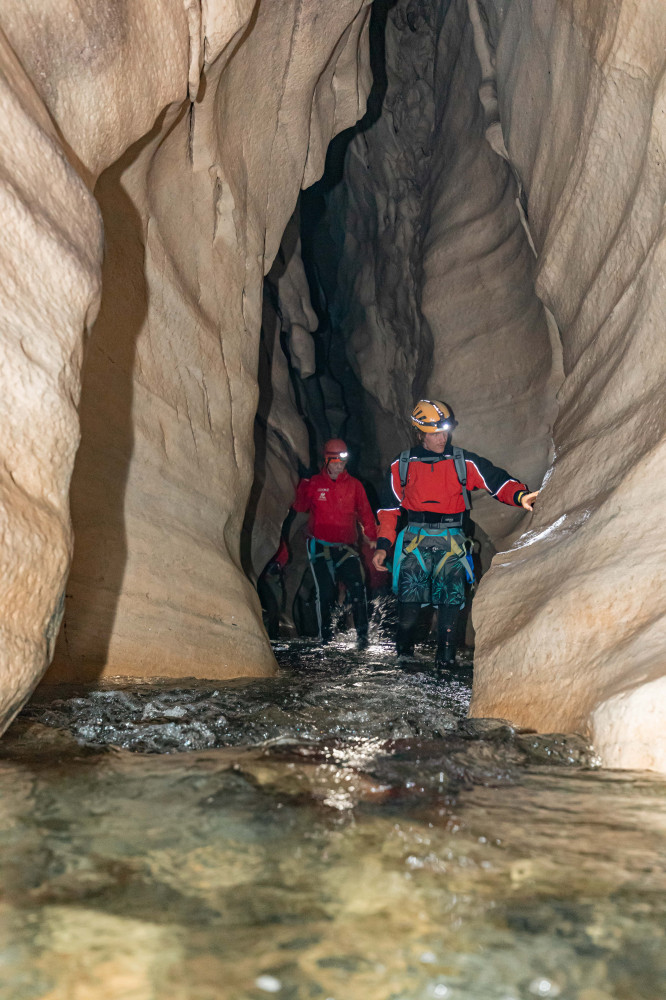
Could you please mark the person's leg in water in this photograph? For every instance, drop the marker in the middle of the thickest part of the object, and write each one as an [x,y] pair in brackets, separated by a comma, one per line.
[447,637]
[270,600]
[326,591]
[351,573]
[408,617]
[414,586]
[449,598]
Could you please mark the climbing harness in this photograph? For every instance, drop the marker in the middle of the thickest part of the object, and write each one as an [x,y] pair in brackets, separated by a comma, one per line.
[331,564]
[457,551]
[353,587]
[462,552]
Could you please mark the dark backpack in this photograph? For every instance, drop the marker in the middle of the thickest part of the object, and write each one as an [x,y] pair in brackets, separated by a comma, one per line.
[458,461]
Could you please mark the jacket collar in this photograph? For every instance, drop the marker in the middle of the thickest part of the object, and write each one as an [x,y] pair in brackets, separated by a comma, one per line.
[419,451]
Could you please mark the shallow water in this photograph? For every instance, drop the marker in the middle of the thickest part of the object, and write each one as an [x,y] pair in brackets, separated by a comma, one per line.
[340,832]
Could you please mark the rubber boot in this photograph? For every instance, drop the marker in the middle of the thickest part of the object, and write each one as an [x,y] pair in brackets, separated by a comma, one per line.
[408,616]
[360,616]
[447,630]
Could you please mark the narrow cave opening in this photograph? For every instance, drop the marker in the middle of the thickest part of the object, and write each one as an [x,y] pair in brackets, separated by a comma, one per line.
[407,271]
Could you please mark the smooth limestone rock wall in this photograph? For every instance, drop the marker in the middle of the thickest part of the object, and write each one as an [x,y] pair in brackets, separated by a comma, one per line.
[436,274]
[195,205]
[286,354]
[159,527]
[571,625]
[492,357]
[570,620]
[47,215]
[63,121]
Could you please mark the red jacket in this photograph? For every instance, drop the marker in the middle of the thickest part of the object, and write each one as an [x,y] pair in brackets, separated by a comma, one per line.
[434,486]
[335,507]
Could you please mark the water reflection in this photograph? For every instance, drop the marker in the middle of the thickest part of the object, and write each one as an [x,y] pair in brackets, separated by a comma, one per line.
[339,832]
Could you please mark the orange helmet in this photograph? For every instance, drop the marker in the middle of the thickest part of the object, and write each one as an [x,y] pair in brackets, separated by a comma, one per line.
[335,449]
[432,416]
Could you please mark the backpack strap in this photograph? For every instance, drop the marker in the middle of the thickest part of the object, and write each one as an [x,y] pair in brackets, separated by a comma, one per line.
[461,472]
[403,467]
[460,467]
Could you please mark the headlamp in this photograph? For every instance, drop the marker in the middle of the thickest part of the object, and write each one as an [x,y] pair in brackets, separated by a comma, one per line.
[343,454]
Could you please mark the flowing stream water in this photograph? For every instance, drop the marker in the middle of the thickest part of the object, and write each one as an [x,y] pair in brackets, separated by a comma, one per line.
[339,832]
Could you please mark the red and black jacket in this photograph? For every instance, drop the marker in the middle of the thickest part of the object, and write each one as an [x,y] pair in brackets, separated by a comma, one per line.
[335,506]
[433,487]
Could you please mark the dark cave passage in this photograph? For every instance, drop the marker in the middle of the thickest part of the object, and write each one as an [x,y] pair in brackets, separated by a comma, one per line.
[407,271]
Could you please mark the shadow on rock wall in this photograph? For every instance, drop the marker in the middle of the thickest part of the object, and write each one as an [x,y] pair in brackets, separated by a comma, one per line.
[107,434]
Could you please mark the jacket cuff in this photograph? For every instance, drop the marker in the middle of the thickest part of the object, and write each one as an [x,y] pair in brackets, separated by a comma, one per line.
[383,543]
[518,496]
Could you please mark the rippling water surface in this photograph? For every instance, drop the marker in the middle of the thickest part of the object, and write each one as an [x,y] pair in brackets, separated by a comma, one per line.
[340,832]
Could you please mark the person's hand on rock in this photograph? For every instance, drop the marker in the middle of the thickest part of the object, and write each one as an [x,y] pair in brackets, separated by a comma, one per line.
[528,500]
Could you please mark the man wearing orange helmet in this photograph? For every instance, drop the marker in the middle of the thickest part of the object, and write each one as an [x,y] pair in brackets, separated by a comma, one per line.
[425,499]
[337,503]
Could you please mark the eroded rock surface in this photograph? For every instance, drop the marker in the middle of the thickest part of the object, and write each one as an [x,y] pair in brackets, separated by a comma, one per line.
[50,248]
[571,625]
[436,294]
[518,162]
[195,205]
[286,359]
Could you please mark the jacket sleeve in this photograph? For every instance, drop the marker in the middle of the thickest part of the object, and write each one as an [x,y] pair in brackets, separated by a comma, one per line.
[302,501]
[364,512]
[389,511]
[483,475]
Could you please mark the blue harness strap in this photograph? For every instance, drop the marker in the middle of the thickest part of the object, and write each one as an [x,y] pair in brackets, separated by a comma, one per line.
[469,567]
[397,559]
[350,553]
[413,547]
[463,555]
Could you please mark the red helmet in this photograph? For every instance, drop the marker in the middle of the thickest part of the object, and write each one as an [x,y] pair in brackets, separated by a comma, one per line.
[335,449]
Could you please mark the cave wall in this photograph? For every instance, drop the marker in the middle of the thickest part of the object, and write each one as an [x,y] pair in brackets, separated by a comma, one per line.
[571,626]
[502,246]
[286,357]
[492,356]
[195,126]
[435,280]
[48,215]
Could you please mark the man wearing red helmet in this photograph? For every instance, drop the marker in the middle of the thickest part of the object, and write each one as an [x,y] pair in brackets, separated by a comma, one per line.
[425,500]
[337,503]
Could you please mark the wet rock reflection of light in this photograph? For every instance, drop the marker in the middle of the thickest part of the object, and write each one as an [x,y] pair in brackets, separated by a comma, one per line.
[351,835]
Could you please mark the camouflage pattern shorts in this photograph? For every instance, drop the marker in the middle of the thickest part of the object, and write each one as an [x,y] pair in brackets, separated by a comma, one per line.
[438,576]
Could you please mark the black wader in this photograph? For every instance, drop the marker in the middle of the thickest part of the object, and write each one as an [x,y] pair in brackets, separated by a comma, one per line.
[330,565]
